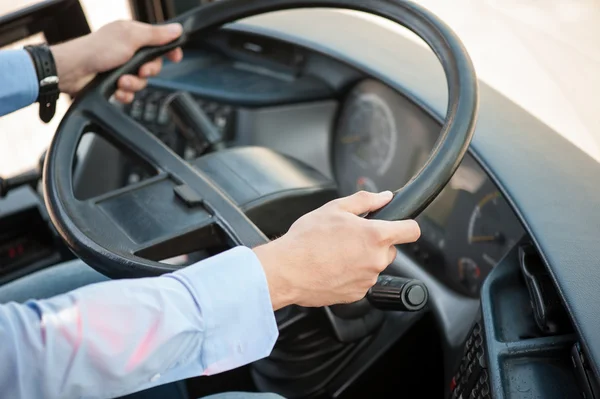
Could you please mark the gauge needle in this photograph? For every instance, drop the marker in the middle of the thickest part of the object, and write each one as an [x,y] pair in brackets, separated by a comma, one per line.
[483,238]
[351,139]
[495,237]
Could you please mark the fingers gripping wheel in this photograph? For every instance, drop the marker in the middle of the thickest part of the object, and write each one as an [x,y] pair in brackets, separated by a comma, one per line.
[109,232]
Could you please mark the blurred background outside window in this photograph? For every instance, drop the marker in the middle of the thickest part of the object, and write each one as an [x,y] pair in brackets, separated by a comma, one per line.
[542,54]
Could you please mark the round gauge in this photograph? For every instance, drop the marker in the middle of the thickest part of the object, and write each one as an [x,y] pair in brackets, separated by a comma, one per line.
[365,141]
[369,130]
[486,230]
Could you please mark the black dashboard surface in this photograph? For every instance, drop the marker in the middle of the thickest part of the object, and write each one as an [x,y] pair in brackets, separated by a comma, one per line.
[246,70]
[224,80]
[551,184]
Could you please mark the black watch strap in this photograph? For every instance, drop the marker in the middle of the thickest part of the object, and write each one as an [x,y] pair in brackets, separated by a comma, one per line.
[45,67]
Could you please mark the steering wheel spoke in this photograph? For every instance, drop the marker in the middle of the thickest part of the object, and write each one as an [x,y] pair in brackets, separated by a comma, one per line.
[178,211]
[129,135]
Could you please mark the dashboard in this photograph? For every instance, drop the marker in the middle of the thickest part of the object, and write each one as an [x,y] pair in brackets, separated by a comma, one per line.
[380,142]
[363,134]
[353,129]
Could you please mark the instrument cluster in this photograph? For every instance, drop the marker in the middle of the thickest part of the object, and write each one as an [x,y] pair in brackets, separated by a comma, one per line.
[382,139]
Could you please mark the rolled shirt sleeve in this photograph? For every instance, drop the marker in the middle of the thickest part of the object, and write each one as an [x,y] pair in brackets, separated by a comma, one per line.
[118,337]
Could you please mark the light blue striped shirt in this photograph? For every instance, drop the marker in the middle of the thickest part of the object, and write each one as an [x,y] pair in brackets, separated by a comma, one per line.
[118,337]
[18,81]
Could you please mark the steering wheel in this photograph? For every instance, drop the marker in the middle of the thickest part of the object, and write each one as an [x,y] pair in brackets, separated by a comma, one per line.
[110,232]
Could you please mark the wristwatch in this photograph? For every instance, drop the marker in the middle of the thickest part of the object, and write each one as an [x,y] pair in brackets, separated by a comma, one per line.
[47,76]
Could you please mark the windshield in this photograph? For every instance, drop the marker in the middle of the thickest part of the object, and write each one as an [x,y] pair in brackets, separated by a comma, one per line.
[542,54]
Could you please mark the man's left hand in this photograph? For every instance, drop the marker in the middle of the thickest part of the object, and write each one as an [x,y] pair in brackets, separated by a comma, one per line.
[78,61]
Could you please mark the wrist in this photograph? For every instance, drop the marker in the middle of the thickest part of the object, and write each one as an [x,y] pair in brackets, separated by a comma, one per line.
[71,65]
[281,288]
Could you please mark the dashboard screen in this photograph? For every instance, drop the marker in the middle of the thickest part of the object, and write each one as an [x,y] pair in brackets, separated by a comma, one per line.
[20,249]
[28,240]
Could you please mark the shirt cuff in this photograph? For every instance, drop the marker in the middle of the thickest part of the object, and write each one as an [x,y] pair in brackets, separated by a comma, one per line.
[231,292]
[18,82]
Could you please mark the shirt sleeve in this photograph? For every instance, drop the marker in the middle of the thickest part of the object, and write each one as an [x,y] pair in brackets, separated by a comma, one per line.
[18,81]
[118,337]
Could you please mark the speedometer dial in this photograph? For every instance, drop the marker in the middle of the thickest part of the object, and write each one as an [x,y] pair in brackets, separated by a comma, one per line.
[380,140]
[490,230]
[369,132]
[366,154]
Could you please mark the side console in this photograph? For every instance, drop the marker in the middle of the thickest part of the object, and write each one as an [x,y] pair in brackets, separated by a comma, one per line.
[523,344]
[27,240]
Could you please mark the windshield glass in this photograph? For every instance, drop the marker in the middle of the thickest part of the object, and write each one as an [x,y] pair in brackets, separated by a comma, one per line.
[542,54]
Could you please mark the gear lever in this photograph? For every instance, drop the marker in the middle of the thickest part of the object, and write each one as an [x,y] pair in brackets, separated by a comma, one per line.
[28,178]
[397,293]
[389,293]
[193,123]
[31,178]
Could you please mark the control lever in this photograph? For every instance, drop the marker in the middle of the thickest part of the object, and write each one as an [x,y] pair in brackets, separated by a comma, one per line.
[397,293]
[193,123]
[31,178]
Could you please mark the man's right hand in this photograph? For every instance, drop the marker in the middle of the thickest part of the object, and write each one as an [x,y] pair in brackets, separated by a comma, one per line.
[332,255]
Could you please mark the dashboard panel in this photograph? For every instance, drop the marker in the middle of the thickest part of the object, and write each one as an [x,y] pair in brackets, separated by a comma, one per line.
[381,141]
[466,230]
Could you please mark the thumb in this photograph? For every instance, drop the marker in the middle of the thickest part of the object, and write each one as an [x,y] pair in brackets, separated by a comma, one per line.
[363,202]
[157,35]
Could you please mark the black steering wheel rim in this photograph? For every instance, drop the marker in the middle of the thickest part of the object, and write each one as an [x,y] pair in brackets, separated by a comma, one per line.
[114,256]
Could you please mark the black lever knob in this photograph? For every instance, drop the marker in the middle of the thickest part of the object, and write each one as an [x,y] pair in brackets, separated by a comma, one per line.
[397,293]
[31,178]
[193,123]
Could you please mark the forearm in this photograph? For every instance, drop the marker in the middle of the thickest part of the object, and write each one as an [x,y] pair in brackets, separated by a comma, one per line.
[119,337]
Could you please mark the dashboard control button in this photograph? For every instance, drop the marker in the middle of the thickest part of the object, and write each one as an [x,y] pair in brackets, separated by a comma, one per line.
[485,389]
[483,378]
[137,108]
[163,116]
[150,112]
[478,342]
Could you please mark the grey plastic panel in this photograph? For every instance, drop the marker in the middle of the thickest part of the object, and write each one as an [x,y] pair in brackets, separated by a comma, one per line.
[93,154]
[301,131]
[237,83]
